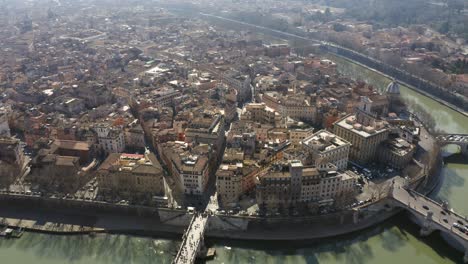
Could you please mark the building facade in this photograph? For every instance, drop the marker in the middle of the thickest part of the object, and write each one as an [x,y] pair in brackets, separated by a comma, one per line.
[110,139]
[12,160]
[284,185]
[189,165]
[131,175]
[325,147]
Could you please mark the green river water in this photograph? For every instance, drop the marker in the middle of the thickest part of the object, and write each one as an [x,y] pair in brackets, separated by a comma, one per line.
[395,241]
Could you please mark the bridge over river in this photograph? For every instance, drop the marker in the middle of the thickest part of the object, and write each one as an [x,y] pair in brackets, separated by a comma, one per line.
[433,216]
[193,241]
[454,139]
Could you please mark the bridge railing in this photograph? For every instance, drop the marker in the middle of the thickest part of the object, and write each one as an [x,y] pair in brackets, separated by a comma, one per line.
[437,203]
[184,241]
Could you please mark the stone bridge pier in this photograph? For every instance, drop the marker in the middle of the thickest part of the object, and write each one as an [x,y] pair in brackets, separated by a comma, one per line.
[464,150]
[432,216]
[426,227]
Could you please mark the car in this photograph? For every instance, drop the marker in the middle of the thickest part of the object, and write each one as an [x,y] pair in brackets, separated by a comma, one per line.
[442,212]
[425,207]
[445,220]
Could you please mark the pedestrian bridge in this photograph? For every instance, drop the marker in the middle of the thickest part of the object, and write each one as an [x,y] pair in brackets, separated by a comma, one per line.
[192,241]
[433,216]
[454,139]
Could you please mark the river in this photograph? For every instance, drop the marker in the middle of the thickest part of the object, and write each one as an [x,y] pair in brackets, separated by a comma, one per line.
[395,241]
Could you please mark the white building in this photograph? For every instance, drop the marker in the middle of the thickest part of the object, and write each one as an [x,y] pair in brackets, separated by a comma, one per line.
[110,139]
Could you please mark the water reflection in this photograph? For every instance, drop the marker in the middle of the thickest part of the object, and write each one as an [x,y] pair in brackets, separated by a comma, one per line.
[84,249]
[394,240]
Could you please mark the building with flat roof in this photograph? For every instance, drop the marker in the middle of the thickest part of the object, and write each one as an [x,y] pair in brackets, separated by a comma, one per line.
[261,113]
[235,177]
[364,140]
[72,148]
[295,106]
[206,129]
[297,135]
[396,152]
[235,180]
[364,130]
[188,164]
[111,139]
[325,147]
[131,175]
[286,184]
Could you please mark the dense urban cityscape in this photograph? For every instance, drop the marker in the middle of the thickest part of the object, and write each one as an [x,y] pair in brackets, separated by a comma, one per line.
[234,120]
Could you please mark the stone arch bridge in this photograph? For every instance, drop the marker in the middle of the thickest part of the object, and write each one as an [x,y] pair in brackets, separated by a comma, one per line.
[433,216]
[460,140]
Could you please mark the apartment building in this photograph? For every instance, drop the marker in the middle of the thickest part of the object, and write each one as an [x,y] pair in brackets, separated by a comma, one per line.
[325,147]
[131,175]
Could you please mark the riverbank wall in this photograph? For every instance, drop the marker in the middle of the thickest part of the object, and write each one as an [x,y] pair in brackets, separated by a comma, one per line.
[77,217]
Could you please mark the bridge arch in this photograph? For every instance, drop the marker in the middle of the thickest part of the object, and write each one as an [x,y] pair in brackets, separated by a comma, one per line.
[449,149]
[460,140]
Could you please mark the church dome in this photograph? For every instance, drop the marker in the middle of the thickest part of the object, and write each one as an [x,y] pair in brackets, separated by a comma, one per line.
[393,88]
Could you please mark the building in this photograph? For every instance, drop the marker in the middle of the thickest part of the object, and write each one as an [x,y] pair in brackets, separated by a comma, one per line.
[188,164]
[244,141]
[364,130]
[325,147]
[396,152]
[230,105]
[294,106]
[393,94]
[259,112]
[13,163]
[164,96]
[135,136]
[72,106]
[206,129]
[235,177]
[297,135]
[80,149]
[110,139]
[287,184]
[131,175]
